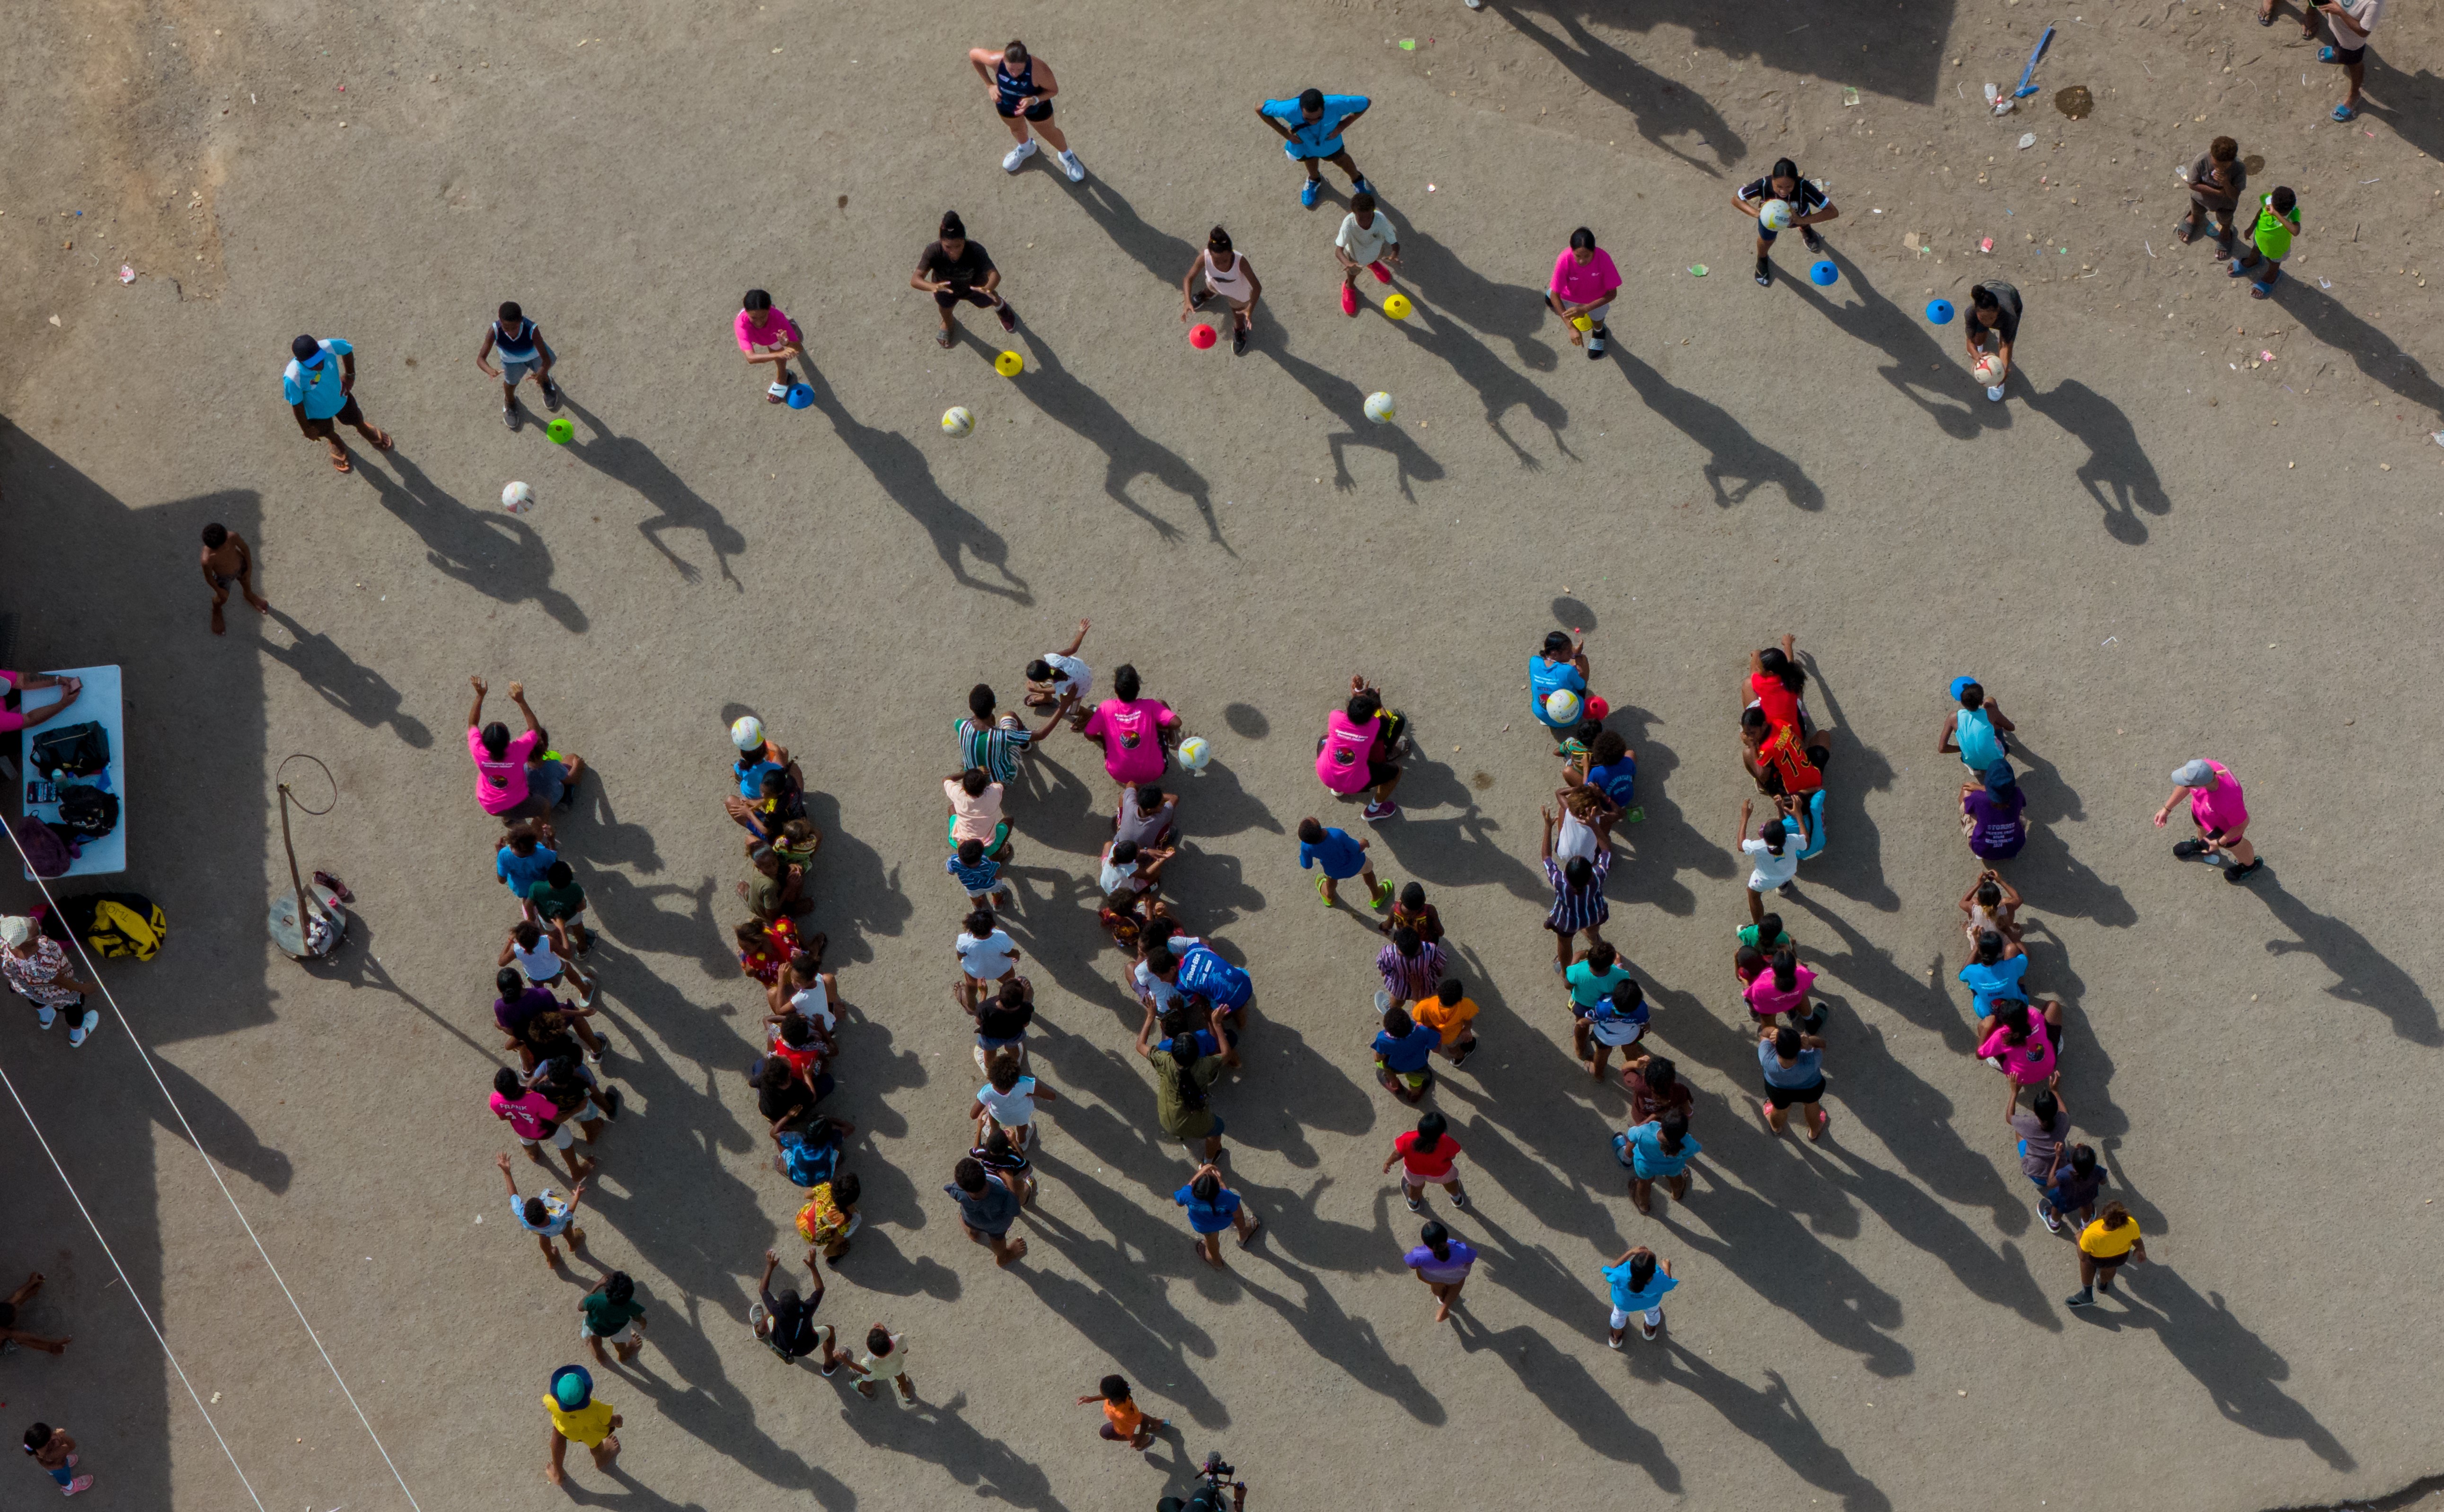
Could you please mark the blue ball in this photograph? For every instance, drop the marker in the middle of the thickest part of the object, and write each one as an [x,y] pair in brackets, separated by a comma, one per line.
[1939,311]
[801,395]
[1825,272]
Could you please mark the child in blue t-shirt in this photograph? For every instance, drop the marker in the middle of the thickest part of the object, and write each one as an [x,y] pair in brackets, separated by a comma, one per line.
[1401,1053]
[1340,857]
[1639,1281]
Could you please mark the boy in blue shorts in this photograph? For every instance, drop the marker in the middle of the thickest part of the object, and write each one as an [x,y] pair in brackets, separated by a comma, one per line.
[1341,857]
[1310,128]
[519,343]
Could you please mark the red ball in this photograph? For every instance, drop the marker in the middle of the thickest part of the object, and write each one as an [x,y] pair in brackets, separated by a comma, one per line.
[1201,336]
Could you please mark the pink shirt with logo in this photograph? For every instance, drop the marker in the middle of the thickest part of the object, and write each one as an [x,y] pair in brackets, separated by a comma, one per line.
[530,1114]
[1131,730]
[2030,1062]
[500,786]
[1588,282]
[1341,764]
[2219,807]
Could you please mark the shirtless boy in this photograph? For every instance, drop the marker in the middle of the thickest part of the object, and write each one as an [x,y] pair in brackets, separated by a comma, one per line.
[226,560]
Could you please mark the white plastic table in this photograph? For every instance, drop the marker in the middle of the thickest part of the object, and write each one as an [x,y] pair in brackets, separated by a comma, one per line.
[100,704]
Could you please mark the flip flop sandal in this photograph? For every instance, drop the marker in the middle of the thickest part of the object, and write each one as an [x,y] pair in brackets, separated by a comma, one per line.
[1250,1236]
[1320,893]
[780,391]
[946,341]
[2345,113]
[341,464]
[2185,233]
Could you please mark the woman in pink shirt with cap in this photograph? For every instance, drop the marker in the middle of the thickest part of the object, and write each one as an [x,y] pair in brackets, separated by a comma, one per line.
[766,334]
[1580,292]
[2217,809]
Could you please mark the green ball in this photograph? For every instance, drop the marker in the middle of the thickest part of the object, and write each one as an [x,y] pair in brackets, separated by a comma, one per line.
[562,430]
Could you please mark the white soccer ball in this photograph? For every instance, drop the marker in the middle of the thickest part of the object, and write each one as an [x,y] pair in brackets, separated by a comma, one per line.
[957,421]
[1379,407]
[1988,370]
[747,733]
[1562,707]
[1775,216]
[1194,753]
[517,498]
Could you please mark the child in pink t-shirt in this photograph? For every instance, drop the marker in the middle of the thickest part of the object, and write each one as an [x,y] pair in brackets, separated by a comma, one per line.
[2022,1047]
[1580,292]
[766,334]
[500,762]
[1781,989]
[1132,731]
[2221,816]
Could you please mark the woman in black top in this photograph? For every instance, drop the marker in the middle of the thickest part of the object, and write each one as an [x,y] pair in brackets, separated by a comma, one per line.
[956,269]
[1807,203]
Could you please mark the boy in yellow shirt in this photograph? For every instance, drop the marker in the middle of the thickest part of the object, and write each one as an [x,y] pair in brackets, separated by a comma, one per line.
[577,1416]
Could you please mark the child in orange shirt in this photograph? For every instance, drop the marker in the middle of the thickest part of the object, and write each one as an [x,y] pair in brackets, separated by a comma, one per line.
[1124,1422]
[1453,1013]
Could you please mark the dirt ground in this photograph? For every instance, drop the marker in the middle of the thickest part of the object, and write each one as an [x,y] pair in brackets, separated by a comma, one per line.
[2163,545]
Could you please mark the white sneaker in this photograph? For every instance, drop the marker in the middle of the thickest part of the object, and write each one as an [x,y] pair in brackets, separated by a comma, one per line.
[45,1015]
[83,1027]
[1020,153]
[1070,165]
[1995,394]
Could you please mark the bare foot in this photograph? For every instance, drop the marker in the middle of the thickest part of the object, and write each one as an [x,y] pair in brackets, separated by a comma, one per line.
[262,606]
[220,625]
[1017,1250]
[554,1474]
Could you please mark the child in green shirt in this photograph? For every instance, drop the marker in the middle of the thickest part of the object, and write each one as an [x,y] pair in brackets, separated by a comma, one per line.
[2268,241]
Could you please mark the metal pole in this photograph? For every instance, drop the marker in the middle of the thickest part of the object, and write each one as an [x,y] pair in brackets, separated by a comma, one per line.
[305,937]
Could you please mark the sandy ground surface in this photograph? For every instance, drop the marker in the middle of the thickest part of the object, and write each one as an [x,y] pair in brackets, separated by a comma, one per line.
[2125,550]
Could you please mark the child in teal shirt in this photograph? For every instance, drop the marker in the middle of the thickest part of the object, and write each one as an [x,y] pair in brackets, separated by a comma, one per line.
[2268,241]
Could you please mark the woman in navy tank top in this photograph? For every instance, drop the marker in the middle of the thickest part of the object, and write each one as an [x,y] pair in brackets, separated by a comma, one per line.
[1021,88]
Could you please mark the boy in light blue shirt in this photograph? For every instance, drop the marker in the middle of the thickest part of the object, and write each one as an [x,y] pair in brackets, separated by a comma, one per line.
[319,383]
[1310,127]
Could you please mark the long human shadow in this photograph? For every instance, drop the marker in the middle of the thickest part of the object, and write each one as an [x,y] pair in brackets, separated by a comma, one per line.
[639,916]
[2116,474]
[990,1469]
[1121,1312]
[855,895]
[1509,312]
[591,827]
[355,965]
[900,469]
[1771,1416]
[1129,454]
[1733,454]
[346,684]
[2363,973]
[1998,1274]
[1572,1394]
[627,460]
[1351,1343]
[497,554]
[1765,1247]
[2412,104]
[1928,371]
[1458,850]
[1661,108]
[2238,1368]
[1663,844]
[2370,350]
[1500,388]
[1852,861]
[1160,253]
[1344,401]
[1214,801]
[2053,879]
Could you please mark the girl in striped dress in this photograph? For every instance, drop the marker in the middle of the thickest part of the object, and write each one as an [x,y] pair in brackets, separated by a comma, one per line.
[1578,896]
